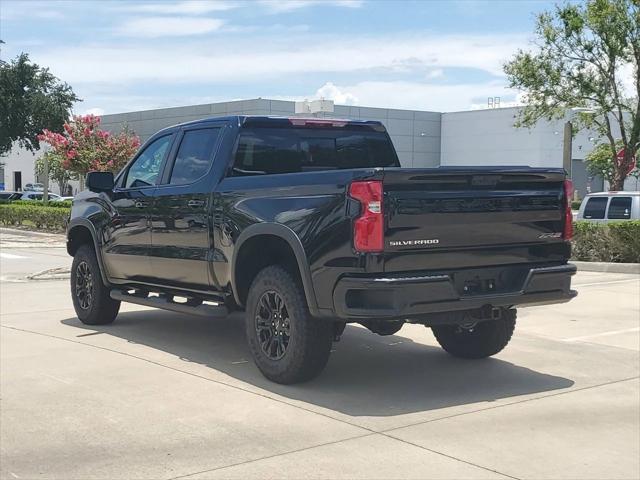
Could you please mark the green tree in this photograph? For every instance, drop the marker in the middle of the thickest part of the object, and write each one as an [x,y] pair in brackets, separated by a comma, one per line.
[31,100]
[587,58]
[57,172]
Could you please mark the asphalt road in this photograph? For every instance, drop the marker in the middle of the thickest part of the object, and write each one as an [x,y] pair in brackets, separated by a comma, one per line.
[162,395]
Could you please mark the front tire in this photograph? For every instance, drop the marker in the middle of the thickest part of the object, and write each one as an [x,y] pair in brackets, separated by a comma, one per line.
[479,340]
[287,344]
[91,299]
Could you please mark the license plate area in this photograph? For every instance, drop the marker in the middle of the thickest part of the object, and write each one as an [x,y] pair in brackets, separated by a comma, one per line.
[487,281]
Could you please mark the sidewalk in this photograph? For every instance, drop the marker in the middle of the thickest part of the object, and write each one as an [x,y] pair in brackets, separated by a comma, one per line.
[15,238]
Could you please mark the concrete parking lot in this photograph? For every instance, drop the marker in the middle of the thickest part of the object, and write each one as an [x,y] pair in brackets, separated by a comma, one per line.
[163,395]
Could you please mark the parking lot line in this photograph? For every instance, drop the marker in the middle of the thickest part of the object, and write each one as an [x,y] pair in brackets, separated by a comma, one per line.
[603,334]
[605,283]
[10,256]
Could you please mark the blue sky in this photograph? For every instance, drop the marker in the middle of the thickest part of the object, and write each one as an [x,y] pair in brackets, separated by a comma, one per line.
[123,56]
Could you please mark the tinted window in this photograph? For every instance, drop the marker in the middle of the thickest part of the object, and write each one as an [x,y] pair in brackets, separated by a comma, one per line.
[620,208]
[144,171]
[595,207]
[286,150]
[194,155]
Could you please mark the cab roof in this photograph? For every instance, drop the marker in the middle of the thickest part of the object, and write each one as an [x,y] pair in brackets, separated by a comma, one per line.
[276,121]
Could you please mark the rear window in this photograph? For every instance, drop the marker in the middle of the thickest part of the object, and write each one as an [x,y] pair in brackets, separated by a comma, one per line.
[620,208]
[595,207]
[264,151]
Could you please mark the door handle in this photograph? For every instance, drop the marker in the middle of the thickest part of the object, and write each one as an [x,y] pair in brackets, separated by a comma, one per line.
[140,204]
[195,203]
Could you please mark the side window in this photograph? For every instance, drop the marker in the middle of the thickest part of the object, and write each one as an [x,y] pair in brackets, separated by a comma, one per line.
[144,171]
[595,207]
[620,208]
[194,156]
[267,152]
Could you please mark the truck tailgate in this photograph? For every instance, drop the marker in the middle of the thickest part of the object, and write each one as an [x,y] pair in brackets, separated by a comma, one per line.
[462,209]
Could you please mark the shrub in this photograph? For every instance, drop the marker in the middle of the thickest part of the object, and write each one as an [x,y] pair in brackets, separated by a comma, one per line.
[575,205]
[64,204]
[34,214]
[607,242]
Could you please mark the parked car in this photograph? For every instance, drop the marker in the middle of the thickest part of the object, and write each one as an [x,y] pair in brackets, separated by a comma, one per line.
[309,224]
[38,196]
[610,206]
[4,195]
[34,187]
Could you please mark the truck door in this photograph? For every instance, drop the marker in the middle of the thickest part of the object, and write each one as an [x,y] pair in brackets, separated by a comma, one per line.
[180,220]
[128,241]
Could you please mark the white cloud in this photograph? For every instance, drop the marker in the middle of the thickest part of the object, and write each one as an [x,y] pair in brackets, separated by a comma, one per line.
[257,59]
[191,7]
[436,73]
[281,6]
[169,27]
[330,92]
[11,10]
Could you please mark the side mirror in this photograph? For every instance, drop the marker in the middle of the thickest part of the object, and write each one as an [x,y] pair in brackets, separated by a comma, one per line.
[100,181]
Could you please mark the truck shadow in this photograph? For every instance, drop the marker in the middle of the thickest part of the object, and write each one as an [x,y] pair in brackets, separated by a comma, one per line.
[367,375]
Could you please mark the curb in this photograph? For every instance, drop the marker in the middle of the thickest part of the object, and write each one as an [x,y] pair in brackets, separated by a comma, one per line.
[36,233]
[61,273]
[607,267]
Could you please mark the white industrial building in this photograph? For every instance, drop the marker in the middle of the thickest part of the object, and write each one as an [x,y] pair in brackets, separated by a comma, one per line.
[421,138]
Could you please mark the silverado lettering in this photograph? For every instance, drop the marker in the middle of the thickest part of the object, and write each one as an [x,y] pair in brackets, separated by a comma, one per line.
[411,243]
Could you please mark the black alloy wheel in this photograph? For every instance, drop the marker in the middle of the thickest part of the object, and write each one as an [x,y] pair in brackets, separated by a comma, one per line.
[273,326]
[84,286]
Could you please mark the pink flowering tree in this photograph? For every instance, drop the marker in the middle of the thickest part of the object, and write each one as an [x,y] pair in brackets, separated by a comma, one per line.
[83,147]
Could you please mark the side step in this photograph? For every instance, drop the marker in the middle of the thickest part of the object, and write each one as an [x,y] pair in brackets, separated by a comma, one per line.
[192,306]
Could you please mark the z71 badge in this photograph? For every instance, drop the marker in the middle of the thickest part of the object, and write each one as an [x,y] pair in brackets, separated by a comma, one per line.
[413,243]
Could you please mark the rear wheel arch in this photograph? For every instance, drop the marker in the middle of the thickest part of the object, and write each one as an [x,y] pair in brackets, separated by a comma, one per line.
[266,244]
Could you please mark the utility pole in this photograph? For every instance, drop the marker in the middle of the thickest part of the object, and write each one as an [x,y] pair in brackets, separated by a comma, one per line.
[45,193]
[567,147]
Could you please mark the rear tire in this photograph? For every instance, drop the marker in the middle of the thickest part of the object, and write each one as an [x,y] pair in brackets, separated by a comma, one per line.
[287,344]
[91,299]
[482,340]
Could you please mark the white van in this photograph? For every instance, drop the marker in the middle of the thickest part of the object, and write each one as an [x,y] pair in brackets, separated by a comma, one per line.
[610,206]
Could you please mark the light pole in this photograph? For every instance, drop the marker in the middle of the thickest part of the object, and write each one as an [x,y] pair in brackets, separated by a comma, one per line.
[567,143]
[45,182]
[567,147]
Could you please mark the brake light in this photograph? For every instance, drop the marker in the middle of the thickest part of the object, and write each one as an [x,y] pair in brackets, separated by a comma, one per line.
[368,229]
[567,231]
[314,122]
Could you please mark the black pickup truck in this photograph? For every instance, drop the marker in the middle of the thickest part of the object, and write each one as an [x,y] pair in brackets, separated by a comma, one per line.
[309,224]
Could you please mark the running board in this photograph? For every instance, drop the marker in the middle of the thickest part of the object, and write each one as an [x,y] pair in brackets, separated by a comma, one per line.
[166,302]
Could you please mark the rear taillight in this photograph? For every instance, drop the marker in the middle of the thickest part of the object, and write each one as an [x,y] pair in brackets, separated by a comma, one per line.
[368,230]
[567,231]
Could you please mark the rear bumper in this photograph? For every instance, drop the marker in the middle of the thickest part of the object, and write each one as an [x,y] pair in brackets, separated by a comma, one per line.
[402,297]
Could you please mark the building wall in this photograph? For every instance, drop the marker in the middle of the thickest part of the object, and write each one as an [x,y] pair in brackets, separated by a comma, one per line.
[415,134]
[18,160]
[488,137]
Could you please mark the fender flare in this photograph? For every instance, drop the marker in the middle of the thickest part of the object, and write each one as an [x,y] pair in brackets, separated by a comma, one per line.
[85,223]
[288,235]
